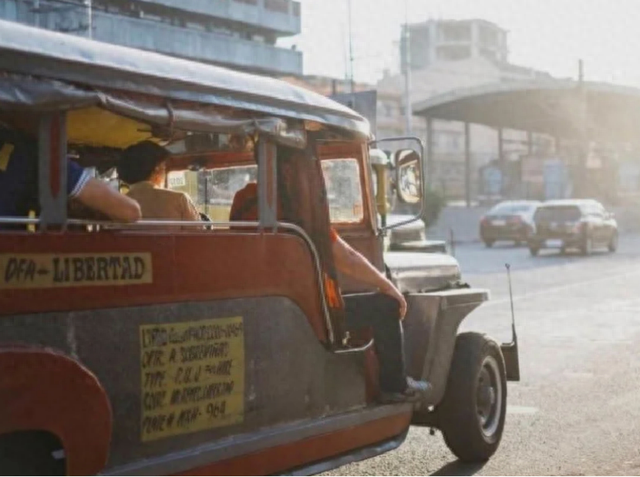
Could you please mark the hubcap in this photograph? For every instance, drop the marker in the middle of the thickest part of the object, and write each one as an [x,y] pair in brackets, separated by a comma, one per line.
[489,396]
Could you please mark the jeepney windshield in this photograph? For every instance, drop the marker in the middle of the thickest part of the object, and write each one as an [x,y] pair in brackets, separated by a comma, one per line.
[213,190]
[344,190]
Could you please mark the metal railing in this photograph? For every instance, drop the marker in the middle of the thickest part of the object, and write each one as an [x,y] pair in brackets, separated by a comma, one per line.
[143,224]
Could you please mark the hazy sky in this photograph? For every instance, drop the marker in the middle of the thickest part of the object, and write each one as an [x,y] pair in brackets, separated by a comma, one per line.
[545,34]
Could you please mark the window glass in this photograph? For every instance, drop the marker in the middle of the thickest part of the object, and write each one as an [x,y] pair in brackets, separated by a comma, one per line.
[212,191]
[344,191]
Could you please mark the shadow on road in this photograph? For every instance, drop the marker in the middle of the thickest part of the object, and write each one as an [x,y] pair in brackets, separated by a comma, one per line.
[459,468]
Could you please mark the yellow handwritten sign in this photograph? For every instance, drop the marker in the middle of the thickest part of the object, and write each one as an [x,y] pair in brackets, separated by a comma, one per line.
[5,156]
[192,376]
[43,270]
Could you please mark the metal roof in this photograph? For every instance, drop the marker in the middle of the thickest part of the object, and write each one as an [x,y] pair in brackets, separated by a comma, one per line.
[64,57]
[544,106]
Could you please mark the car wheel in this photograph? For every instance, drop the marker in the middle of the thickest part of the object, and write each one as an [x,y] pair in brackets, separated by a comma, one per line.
[489,243]
[613,243]
[587,246]
[473,410]
[534,250]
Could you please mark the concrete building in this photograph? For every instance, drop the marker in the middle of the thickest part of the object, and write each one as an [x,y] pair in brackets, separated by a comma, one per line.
[448,55]
[239,34]
[454,40]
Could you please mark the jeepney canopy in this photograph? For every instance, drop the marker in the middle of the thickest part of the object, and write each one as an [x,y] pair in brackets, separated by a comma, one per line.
[41,70]
[561,108]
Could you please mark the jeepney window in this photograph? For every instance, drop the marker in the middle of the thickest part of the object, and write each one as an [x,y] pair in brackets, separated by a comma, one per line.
[213,190]
[344,191]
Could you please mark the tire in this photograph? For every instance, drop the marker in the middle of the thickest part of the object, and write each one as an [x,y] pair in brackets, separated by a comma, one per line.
[533,251]
[472,413]
[613,243]
[30,453]
[587,246]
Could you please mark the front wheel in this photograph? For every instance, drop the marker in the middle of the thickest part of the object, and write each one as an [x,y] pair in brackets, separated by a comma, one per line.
[488,243]
[473,411]
[533,250]
[587,246]
[613,243]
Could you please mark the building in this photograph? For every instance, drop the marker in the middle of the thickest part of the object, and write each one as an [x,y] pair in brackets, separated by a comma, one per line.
[446,55]
[238,34]
[454,40]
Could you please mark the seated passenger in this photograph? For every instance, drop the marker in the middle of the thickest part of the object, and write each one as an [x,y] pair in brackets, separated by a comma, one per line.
[382,312]
[143,167]
[245,204]
[19,185]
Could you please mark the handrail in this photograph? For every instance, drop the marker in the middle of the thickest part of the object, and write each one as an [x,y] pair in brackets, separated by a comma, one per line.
[199,224]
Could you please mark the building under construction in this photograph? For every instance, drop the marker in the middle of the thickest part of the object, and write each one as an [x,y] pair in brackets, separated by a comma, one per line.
[239,34]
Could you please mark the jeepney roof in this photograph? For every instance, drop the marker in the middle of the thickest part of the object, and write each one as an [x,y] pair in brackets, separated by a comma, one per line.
[31,51]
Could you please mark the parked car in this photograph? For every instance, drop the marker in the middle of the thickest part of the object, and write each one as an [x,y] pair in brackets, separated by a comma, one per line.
[508,220]
[582,224]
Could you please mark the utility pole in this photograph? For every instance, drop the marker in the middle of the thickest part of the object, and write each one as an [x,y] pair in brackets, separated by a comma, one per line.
[407,72]
[89,4]
[351,81]
[36,9]
[583,132]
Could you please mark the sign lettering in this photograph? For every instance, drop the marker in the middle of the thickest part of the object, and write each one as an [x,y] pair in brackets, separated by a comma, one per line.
[192,376]
[43,270]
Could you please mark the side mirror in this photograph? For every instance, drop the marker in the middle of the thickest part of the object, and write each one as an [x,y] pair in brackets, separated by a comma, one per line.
[407,184]
[408,176]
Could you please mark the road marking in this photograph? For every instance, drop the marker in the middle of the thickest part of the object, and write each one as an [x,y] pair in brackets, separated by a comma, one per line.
[558,288]
[526,410]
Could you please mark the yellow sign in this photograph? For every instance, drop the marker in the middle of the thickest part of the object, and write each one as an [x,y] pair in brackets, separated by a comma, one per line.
[192,376]
[44,270]
[5,156]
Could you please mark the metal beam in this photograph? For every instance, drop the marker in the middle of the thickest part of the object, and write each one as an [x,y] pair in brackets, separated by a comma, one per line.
[267,181]
[430,165]
[52,169]
[467,164]
[501,159]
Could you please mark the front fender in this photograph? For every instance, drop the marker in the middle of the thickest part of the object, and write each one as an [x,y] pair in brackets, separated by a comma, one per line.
[42,389]
[430,331]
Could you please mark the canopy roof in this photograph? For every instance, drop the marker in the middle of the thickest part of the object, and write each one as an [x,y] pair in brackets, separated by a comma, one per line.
[552,107]
[105,67]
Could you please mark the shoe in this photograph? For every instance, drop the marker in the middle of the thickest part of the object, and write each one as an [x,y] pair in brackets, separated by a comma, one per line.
[415,391]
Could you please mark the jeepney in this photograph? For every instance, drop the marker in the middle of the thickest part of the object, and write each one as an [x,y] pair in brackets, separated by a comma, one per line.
[139,349]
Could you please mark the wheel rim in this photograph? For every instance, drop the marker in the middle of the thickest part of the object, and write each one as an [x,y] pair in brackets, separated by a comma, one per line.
[489,396]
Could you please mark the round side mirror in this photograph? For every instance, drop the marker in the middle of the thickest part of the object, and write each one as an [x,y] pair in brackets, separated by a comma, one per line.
[408,176]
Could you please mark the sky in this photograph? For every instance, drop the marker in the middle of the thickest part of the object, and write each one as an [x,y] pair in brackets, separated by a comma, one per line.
[549,35]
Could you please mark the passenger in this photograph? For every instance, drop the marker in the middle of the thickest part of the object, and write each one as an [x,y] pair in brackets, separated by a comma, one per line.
[19,185]
[382,312]
[143,167]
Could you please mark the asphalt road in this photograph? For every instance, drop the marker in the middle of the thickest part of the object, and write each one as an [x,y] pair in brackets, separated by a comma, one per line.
[577,409]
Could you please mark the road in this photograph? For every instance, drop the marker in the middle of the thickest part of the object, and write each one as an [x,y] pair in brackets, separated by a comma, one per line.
[577,409]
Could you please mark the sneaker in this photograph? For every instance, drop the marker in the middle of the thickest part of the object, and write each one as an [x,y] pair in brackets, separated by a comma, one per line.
[415,391]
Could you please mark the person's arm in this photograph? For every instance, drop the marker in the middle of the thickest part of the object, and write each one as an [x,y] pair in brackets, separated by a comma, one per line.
[189,211]
[352,263]
[101,197]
